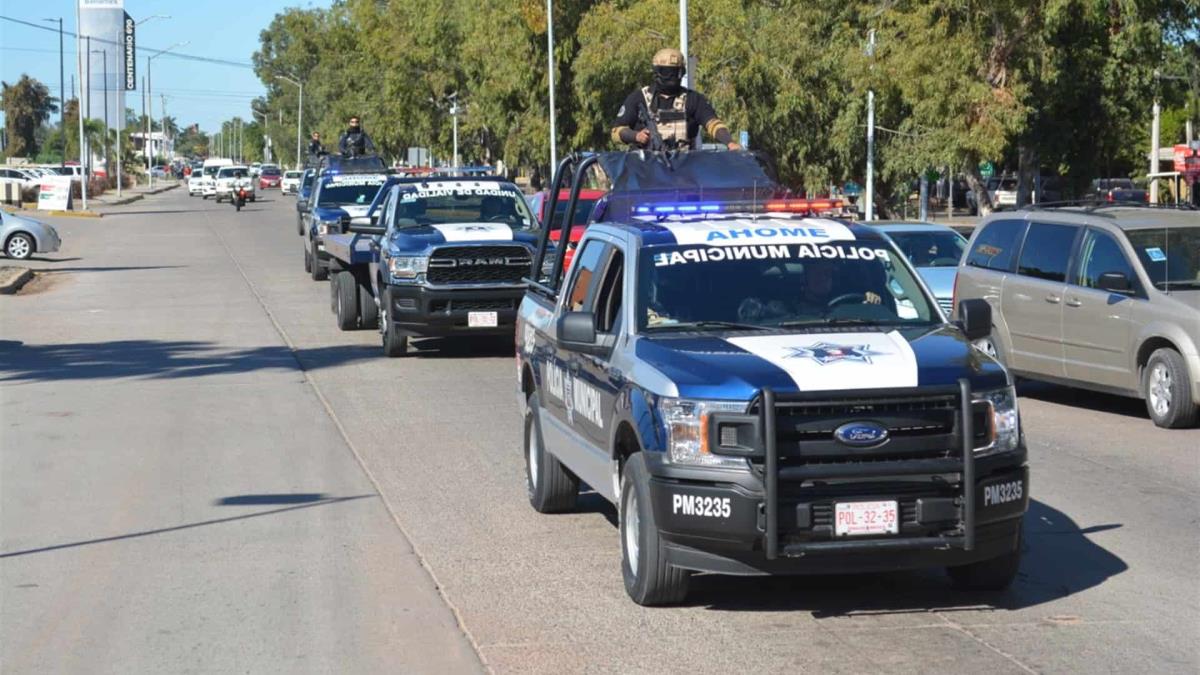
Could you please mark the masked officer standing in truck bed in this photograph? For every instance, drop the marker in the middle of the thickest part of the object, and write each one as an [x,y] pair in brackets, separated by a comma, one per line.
[676,112]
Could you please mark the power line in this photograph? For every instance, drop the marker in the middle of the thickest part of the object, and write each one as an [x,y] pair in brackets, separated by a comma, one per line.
[177,55]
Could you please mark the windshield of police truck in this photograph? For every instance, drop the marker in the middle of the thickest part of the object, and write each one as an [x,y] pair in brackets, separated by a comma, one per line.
[435,203]
[1170,256]
[930,249]
[350,189]
[778,286]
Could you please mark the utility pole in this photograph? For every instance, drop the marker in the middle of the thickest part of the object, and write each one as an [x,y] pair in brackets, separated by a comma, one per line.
[1154,150]
[62,95]
[869,191]
[550,70]
[163,125]
[88,58]
[79,67]
[454,114]
[150,100]
[683,40]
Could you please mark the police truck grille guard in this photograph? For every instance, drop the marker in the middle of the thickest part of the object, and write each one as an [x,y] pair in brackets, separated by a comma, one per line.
[932,432]
[478,265]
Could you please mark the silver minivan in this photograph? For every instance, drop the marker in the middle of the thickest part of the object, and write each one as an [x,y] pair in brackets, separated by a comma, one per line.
[1103,298]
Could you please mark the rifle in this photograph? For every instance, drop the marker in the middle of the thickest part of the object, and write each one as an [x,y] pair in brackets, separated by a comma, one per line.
[656,141]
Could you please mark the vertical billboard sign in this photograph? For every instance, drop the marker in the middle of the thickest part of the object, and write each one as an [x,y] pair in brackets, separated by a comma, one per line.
[130,46]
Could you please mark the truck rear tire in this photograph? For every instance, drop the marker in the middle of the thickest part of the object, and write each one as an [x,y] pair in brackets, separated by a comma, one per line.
[995,574]
[307,262]
[318,272]
[346,300]
[551,488]
[649,580]
[368,311]
[394,344]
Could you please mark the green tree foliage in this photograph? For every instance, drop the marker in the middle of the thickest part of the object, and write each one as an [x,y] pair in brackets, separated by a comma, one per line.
[1061,86]
[27,105]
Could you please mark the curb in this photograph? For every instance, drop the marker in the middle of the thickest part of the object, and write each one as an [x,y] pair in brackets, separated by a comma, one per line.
[75,214]
[16,283]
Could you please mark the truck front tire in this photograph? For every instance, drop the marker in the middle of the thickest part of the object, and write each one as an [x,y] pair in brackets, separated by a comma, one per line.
[345,300]
[649,580]
[996,574]
[318,272]
[394,344]
[551,488]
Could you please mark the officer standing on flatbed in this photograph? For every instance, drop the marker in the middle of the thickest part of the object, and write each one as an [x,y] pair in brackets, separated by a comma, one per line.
[676,113]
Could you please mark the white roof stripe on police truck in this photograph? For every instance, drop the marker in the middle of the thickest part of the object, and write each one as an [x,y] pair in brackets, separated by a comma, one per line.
[455,232]
[758,231]
[836,361]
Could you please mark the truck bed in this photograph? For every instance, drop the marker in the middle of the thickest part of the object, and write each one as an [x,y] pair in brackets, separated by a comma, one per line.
[350,249]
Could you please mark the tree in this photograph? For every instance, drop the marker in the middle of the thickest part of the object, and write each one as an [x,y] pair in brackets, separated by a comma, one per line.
[27,105]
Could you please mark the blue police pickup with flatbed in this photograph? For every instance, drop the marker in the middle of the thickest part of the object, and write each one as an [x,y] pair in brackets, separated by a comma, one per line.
[762,391]
[342,192]
[439,257]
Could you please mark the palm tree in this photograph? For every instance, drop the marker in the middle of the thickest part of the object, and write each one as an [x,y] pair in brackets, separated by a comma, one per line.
[27,105]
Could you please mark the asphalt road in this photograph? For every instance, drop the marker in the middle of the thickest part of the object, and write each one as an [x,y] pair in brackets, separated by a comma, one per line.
[178,362]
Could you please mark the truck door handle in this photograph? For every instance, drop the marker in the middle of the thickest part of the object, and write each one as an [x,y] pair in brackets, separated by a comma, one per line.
[1074,302]
[1053,299]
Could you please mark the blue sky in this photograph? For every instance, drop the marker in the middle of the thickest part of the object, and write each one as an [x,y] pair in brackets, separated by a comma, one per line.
[197,92]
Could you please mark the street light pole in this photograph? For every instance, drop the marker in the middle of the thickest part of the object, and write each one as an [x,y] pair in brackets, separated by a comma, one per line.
[150,103]
[550,70]
[869,191]
[299,114]
[145,112]
[454,115]
[88,58]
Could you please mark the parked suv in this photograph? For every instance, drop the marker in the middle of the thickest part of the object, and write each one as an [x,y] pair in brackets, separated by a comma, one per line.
[1104,298]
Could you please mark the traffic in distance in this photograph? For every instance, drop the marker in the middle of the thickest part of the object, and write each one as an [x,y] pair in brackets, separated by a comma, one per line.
[759,384]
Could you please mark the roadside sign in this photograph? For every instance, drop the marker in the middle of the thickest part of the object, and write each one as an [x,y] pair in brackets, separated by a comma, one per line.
[54,193]
[986,170]
[852,189]
[1187,162]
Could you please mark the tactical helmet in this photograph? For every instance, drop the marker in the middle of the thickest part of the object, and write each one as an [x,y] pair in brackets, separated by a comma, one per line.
[670,57]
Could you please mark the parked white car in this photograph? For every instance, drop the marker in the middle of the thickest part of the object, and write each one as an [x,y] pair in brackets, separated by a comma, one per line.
[228,176]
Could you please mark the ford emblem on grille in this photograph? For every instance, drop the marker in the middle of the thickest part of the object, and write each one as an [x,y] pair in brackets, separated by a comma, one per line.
[861,434]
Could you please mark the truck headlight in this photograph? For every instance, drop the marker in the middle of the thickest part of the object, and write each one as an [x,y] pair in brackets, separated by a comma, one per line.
[408,266]
[1006,419]
[329,227]
[687,432]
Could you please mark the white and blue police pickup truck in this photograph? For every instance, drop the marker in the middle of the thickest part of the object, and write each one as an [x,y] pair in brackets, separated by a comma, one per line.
[446,257]
[339,198]
[768,393]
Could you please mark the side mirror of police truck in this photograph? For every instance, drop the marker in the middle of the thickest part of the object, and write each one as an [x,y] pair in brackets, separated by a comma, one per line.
[577,330]
[975,318]
[357,228]
[301,205]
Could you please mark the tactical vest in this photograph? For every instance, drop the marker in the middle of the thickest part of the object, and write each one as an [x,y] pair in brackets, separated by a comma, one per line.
[672,123]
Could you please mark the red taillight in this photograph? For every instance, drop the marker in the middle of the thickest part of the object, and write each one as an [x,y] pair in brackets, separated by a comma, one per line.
[1110,197]
[803,205]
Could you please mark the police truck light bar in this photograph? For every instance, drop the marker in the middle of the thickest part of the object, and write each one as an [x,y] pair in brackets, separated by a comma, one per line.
[770,206]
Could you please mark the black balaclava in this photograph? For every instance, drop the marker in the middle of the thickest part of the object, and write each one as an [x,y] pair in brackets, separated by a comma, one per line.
[668,80]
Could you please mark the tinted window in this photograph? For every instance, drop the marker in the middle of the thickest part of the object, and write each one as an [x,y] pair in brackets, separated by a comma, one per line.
[1047,251]
[1100,253]
[929,249]
[608,301]
[437,202]
[993,248]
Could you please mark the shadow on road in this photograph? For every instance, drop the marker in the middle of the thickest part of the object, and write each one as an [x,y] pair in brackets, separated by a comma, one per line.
[1082,398]
[1059,560]
[157,359]
[116,268]
[460,348]
[162,530]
